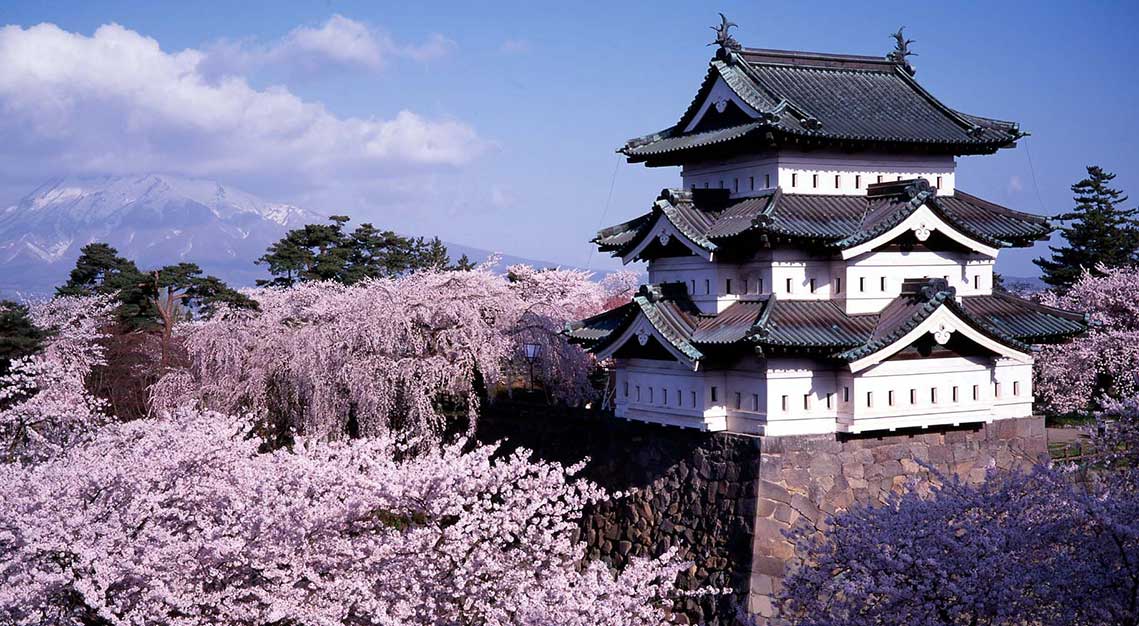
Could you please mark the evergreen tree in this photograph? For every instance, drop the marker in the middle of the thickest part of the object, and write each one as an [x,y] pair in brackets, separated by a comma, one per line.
[19,337]
[101,270]
[327,252]
[1098,231]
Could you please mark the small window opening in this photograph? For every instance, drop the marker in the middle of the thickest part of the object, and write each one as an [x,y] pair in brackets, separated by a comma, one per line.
[751,182]
[694,399]
[1016,387]
[811,284]
[933,395]
[707,286]
[755,402]
[728,286]
[956,394]
[890,397]
[861,284]
[882,283]
[714,390]
[837,181]
[938,184]
[879,178]
[838,285]
[846,394]
[638,393]
[976,392]
[626,389]
[784,400]
[767,181]
[869,398]
[807,402]
[913,396]
[815,181]
[738,402]
[794,180]
[736,184]
[830,400]
[858,181]
[788,285]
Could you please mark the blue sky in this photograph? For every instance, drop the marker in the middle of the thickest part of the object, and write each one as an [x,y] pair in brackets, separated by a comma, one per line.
[521,104]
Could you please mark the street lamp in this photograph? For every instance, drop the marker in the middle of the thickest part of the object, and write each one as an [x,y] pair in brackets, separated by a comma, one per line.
[531,351]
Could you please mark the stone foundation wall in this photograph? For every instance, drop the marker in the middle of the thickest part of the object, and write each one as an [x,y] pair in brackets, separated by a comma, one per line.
[724,500]
[803,479]
[687,489]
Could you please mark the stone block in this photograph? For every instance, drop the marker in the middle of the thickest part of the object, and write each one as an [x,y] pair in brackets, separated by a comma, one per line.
[772,491]
[762,584]
[769,565]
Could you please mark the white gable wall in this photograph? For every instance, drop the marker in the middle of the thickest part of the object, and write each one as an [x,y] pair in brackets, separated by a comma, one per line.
[818,173]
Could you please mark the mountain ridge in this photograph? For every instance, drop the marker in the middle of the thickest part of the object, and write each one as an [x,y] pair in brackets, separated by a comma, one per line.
[153,219]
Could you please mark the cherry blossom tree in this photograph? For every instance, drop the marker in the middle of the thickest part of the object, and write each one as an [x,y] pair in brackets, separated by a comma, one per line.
[44,402]
[550,298]
[383,355]
[1017,549]
[1101,364]
[180,520]
[329,360]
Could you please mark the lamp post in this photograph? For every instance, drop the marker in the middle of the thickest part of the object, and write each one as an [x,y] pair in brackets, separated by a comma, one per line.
[531,351]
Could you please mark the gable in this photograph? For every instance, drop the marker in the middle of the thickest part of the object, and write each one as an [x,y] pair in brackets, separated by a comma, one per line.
[722,107]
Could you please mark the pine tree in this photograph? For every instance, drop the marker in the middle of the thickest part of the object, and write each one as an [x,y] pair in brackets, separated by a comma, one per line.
[19,337]
[1097,232]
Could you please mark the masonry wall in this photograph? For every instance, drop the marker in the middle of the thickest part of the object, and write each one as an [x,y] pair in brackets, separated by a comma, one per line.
[724,500]
[803,479]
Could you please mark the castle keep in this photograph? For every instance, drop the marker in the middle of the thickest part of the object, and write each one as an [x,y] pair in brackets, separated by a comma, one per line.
[819,270]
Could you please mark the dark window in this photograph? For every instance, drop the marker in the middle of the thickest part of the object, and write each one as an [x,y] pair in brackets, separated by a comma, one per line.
[858,181]
[846,394]
[933,395]
[861,284]
[815,180]
[1016,387]
[913,396]
[890,397]
[977,281]
[956,394]
[638,393]
[755,401]
[869,398]
[938,182]
[879,178]
[837,181]
[751,182]
[976,392]
[838,285]
[812,283]
[737,400]
[694,399]
[707,287]
[807,402]
[679,398]
[794,180]
[736,184]
[882,283]
[728,286]
[788,285]
[713,393]
[650,395]
[830,400]
[784,403]
[626,389]
[767,181]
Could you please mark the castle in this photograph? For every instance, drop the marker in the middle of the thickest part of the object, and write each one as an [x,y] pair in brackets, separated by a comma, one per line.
[819,270]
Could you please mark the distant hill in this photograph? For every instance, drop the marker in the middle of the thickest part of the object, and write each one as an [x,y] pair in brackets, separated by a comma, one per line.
[155,220]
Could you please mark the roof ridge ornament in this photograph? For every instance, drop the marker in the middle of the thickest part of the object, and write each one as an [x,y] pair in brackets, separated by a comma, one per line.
[901,51]
[724,39]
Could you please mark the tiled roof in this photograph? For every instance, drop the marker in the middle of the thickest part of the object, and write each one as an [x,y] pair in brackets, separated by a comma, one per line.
[819,98]
[821,327]
[710,218]
[1025,320]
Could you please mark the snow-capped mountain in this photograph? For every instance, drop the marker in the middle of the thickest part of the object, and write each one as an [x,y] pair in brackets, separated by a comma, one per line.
[153,219]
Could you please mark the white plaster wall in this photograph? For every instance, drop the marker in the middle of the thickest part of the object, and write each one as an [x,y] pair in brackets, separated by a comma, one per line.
[802,397]
[973,378]
[669,393]
[816,172]
[970,274]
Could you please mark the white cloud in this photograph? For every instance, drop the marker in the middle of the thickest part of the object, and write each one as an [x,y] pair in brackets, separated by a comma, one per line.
[514,46]
[339,42]
[115,102]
